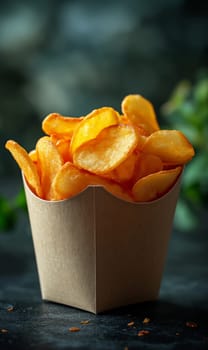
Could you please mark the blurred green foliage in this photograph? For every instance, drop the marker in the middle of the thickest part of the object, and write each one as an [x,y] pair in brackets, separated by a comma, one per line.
[10,209]
[187,110]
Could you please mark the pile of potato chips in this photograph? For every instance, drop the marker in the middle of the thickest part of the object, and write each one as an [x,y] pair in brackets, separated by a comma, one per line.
[126,153]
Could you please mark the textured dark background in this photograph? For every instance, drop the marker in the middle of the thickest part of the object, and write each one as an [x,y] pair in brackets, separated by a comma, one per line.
[73,56]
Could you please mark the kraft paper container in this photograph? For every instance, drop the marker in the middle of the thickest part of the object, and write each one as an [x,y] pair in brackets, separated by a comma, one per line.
[97,252]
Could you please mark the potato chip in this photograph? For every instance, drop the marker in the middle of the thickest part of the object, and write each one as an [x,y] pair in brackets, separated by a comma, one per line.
[170,145]
[140,112]
[55,138]
[49,161]
[26,165]
[33,156]
[68,182]
[56,124]
[147,164]
[107,151]
[92,125]
[124,172]
[63,147]
[123,119]
[125,153]
[111,187]
[142,137]
[155,185]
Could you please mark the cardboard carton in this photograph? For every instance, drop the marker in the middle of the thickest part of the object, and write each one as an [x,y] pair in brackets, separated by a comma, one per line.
[97,252]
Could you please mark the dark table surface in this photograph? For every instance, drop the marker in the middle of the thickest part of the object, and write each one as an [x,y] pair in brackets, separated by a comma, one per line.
[26,322]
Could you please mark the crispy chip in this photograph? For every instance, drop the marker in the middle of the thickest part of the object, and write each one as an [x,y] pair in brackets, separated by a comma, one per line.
[142,137]
[63,147]
[153,186]
[125,153]
[147,164]
[56,124]
[92,125]
[123,119]
[33,156]
[50,161]
[141,112]
[26,165]
[68,182]
[107,151]
[55,138]
[74,329]
[111,187]
[125,171]
[170,145]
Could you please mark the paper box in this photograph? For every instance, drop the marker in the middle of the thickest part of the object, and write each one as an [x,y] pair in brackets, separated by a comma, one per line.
[97,252]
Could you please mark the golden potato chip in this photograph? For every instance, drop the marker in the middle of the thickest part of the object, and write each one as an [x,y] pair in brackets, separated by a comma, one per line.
[123,119]
[140,112]
[33,156]
[155,185]
[55,138]
[110,186]
[56,124]
[147,164]
[124,172]
[26,165]
[125,153]
[107,151]
[68,182]
[141,135]
[170,145]
[92,125]
[63,147]
[49,161]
